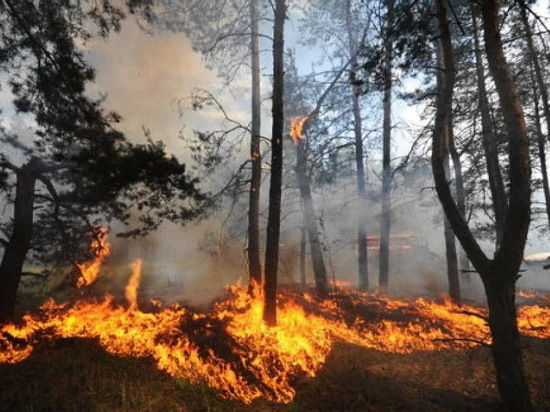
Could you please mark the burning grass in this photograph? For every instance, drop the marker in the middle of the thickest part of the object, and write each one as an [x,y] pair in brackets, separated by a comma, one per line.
[231,351]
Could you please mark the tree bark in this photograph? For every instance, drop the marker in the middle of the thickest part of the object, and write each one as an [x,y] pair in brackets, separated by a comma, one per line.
[20,239]
[490,147]
[500,274]
[384,256]
[254,264]
[310,220]
[541,143]
[500,290]
[274,217]
[362,260]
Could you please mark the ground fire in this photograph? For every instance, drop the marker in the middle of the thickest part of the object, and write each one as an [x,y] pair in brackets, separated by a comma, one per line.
[230,349]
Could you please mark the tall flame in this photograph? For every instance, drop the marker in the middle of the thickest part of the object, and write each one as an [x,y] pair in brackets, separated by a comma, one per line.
[297,127]
[100,248]
[130,291]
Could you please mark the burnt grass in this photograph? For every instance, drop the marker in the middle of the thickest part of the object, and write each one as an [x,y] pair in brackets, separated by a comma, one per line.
[77,374]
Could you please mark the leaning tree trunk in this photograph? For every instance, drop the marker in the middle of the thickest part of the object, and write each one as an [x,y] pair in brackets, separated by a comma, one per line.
[490,147]
[310,220]
[498,275]
[20,239]
[362,260]
[254,264]
[274,217]
[384,256]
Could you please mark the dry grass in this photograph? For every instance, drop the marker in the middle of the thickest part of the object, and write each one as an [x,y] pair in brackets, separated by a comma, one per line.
[77,375]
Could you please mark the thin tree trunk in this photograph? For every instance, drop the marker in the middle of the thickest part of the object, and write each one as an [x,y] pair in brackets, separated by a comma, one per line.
[541,143]
[310,220]
[452,262]
[274,217]
[254,264]
[496,182]
[303,283]
[20,239]
[362,260]
[460,198]
[384,256]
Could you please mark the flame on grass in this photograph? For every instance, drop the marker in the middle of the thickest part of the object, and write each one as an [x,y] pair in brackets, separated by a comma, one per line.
[232,350]
[100,248]
[297,127]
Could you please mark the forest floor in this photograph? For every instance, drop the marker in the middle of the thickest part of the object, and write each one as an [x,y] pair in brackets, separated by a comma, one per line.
[77,374]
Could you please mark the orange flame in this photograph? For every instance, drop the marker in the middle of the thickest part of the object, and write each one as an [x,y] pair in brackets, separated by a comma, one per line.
[100,249]
[253,360]
[130,291]
[297,127]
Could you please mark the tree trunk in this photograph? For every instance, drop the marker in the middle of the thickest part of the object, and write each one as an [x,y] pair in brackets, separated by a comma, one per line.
[254,264]
[541,143]
[362,260]
[460,200]
[506,347]
[384,256]
[489,139]
[303,283]
[498,275]
[274,217]
[20,239]
[452,262]
[310,220]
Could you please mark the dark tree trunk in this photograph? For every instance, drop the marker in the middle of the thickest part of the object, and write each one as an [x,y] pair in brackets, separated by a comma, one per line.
[20,239]
[384,256]
[461,202]
[541,143]
[506,348]
[499,275]
[254,264]
[310,220]
[452,262]
[490,147]
[303,283]
[274,218]
[362,260]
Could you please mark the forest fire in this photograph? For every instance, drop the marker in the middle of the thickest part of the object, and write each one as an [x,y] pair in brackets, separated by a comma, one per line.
[232,350]
[297,127]
[100,248]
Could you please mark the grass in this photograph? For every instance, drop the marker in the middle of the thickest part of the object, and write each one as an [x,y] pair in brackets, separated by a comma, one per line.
[77,375]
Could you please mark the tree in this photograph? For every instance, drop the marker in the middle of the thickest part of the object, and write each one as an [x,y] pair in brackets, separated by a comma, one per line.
[228,34]
[489,140]
[85,167]
[254,264]
[499,274]
[386,150]
[274,217]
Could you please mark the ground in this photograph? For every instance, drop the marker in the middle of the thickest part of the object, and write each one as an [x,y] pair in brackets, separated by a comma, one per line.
[76,374]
